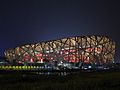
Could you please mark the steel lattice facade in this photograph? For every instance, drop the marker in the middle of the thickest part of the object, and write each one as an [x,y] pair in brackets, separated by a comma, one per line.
[89,49]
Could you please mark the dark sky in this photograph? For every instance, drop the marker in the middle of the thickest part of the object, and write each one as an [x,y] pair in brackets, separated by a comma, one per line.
[30,21]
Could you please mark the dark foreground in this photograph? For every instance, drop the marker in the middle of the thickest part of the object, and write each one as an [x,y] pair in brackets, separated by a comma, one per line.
[79,81]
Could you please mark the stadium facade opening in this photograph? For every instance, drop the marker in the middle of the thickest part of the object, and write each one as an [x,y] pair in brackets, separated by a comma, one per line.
[86,49]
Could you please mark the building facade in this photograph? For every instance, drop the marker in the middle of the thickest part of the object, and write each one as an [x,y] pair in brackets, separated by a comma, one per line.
[87,49]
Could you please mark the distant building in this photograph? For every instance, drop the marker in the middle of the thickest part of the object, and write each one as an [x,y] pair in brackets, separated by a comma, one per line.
[86,49]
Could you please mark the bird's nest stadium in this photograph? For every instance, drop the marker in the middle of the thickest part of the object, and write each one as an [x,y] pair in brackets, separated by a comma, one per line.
[86,49]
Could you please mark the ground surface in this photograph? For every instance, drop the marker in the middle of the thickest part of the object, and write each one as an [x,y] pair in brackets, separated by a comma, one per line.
[79,81]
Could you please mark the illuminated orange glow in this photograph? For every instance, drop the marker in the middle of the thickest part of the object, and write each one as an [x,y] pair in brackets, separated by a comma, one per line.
[89,49]
[73,49]
[39,54]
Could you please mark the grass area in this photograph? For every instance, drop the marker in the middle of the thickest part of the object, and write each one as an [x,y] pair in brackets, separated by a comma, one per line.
[79,81]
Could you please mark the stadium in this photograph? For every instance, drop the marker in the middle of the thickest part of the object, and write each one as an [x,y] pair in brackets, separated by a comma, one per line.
[86,49]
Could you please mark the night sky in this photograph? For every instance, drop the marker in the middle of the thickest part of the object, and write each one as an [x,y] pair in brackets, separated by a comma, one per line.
[25,21]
